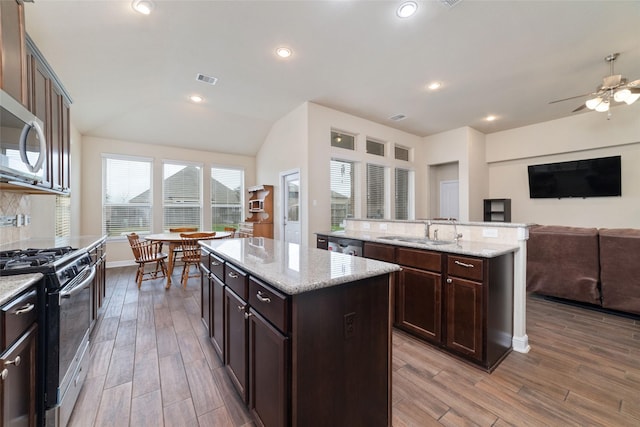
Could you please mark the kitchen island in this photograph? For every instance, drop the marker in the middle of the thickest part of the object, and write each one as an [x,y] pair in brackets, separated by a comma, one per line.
[305,334]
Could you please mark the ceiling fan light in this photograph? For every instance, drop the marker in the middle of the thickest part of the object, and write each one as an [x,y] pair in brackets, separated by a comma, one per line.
[593,103]
[632,98]
[621,95]
[602,107]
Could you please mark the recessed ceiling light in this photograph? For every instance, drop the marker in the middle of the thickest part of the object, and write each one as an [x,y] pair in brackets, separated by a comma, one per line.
[142,6]
[196,98]
[283,52]
[434,86]
[490,118]
[407,9]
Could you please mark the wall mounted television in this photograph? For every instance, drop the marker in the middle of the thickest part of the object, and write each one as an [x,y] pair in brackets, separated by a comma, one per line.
[578,178]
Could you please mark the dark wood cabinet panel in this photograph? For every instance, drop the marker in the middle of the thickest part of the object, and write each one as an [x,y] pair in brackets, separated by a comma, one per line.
[205,298]
[236,341]
[322,242]
[18,383]
[465,317]
[217,316]
[419,303]
[268,372]
[379,252]
[12,51]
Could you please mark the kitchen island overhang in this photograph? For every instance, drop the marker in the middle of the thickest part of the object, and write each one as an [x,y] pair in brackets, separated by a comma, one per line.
[336,344]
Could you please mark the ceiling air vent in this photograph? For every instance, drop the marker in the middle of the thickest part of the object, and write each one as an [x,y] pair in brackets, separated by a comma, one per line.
[450,3]
[398,117]
[206,79]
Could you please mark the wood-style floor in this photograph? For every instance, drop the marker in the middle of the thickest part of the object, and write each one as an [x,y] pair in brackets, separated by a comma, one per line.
[152,365]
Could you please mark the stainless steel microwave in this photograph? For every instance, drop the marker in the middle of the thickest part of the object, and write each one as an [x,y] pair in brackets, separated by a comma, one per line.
[23,148]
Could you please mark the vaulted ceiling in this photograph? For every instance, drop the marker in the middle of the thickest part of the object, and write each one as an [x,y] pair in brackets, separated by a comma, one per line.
[130,75]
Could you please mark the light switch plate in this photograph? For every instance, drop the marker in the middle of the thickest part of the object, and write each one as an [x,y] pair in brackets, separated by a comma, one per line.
[489,232]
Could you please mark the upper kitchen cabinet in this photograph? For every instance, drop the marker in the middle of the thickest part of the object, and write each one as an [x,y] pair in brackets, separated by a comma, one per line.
[47,99]
[12,50]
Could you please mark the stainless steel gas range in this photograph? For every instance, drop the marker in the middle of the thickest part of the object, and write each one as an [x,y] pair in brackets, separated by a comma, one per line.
[65,316]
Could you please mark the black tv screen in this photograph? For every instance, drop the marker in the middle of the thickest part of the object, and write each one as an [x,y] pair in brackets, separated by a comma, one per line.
[579,178]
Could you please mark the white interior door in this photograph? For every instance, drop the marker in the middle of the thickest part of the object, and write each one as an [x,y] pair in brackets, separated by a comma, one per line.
[449,201]
[291,207]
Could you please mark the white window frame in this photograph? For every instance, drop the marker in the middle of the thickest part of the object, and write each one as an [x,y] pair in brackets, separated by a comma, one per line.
[199,204]
[242,190]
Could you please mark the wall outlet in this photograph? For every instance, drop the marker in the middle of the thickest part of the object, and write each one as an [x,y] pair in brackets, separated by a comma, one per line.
[349,325]
[489,232]
[383,226]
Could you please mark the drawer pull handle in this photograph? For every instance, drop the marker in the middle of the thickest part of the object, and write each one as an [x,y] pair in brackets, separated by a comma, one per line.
[233,275]
[24,309]
[463,264]
[215,263]
[322,241]
[262,298]
[4,374]
[15,361]
[247,315]
[240,308]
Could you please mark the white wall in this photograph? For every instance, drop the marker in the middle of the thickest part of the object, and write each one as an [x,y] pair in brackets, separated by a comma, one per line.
[285,149]
[582,136]
[91,175]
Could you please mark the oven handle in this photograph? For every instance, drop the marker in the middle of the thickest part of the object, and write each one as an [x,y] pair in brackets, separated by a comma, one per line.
[80,286]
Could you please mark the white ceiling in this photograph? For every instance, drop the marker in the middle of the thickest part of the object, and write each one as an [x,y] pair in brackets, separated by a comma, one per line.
[130,75]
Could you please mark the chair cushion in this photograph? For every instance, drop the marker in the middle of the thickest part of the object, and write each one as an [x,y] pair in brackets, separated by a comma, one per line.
[563,262]
[620,269]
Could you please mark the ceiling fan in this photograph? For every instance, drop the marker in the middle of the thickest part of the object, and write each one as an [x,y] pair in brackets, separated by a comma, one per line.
[613,88]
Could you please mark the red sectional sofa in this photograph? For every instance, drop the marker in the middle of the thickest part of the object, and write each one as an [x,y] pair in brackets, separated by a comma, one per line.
[599,267]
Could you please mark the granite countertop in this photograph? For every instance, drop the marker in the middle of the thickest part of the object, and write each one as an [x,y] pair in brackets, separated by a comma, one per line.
[294,269]
[12,286]
[463,247]
[79,242]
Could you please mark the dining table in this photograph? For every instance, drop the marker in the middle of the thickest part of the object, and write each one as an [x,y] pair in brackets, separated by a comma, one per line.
[174,240]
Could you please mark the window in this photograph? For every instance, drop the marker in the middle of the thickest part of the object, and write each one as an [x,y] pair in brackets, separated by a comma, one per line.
[227,189]
[401,153]
[342,193]
[402,193]
[375,147]
[63,216]
[181,195]
[343,140]
[375,191]
[126,195]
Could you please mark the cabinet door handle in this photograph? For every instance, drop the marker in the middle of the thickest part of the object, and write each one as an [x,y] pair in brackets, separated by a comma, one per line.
[4,374]
[262,298]
[322,241]
[15,361]
[215,263]
[463,264]
[233,275]
[24,309]
[247,315]
[449,281]
[241,308]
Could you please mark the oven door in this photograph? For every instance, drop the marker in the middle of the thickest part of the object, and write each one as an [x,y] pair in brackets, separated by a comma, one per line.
[75,318]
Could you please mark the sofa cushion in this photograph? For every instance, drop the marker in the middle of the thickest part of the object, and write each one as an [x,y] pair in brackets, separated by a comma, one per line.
[563,262]
[620,269]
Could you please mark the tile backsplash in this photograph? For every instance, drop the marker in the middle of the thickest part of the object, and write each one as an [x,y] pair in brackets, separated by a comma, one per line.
[12,203]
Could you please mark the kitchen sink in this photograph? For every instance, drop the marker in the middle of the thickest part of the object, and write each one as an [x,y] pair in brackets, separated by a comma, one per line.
[419,240]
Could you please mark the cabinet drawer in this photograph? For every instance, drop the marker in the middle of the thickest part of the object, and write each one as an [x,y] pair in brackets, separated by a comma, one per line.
[237,280]
[424,260]
[17,316]
[379,252]
[216,266]
[272,305]
[322,242]
[467,268]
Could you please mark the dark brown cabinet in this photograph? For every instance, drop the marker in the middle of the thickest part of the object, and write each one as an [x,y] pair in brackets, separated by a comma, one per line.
[236,328]
[50,103]
[98,255]
[497,210]
[12,49]
[18,361]
[322,242]
[205,292]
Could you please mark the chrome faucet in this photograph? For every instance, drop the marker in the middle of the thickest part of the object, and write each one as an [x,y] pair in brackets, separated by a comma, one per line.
[426,229]
[456,236]
[435,234]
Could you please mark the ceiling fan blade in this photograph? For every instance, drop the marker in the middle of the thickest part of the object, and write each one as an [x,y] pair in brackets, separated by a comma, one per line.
[581,107]
[573,97]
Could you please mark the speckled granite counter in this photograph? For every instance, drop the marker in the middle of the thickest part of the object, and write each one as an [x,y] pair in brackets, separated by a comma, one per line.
[463,247]
[79,242]
[294,269]
[12,286]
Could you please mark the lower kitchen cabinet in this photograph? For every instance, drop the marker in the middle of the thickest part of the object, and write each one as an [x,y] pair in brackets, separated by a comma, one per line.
[419,303]
[19,374]
[205,292]
[236,328]
[464,317]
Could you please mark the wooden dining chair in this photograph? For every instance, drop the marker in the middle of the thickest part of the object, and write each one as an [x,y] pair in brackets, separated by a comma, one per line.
[147,252]
[232,230]
[177,249]
[191,253]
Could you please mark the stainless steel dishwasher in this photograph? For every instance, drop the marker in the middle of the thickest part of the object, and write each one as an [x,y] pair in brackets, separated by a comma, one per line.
[345,246]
